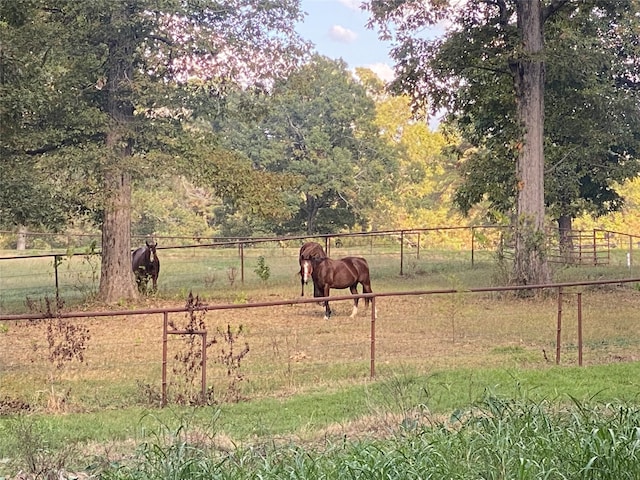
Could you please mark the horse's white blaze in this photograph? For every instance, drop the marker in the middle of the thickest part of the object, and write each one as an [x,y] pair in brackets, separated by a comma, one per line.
[306,270]
[354,312]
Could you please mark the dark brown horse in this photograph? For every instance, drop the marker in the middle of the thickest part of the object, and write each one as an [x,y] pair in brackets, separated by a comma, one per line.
[308,252]
[146,265]
[344,273]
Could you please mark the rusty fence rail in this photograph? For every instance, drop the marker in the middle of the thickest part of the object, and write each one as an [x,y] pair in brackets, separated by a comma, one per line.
[563,290]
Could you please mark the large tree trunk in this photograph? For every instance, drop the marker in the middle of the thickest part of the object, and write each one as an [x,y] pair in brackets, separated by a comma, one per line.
[116,278]
[530,266]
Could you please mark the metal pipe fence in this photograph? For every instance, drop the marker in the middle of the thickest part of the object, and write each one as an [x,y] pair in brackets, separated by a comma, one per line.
[284,345]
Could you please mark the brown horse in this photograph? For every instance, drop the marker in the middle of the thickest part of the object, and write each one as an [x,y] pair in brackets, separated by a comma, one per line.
[146,265]
[344,273]
[308,252]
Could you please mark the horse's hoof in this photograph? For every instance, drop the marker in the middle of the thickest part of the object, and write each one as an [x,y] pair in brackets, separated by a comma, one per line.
[326,318]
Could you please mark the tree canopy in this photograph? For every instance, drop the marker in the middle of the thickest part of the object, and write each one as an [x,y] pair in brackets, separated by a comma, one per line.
[591,121]
[115,91]
[318,124]
[488,70]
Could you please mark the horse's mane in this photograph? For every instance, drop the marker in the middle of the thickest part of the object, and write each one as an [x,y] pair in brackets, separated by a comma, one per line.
[312,251]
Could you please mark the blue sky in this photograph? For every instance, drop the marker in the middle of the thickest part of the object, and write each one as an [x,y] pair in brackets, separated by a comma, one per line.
[338,30]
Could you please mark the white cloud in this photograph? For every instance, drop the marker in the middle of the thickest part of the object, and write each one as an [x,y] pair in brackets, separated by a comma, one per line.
[342,34]
[384,71]
[351,4]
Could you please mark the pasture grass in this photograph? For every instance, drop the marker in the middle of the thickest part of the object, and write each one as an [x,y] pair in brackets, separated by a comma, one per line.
[477,421]
[496,440]
[308,407]
[220,273]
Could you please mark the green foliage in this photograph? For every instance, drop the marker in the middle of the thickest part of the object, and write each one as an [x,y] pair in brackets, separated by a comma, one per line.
[97,93]
[262,270]
[590,120]
[495,437]
[318,125]
[500,414]
[34,448]
[421,193]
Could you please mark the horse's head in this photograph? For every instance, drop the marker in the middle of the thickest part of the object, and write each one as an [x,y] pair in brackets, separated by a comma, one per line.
[151,246]
[307,264]
[306,269]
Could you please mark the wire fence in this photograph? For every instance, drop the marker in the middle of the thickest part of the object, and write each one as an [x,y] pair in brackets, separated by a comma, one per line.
[89,360]
[74,275]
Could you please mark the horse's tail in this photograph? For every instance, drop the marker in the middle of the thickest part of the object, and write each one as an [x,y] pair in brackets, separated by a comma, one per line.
[364,278]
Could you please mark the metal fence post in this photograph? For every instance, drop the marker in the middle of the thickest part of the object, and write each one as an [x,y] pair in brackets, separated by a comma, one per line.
[241,247]
[165,326]
[372,365]
[559,328]
[203,336]
[580,329]
[56,262]
[401,251]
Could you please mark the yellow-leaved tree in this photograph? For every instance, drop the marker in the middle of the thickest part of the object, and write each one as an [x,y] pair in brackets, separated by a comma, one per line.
[423,196]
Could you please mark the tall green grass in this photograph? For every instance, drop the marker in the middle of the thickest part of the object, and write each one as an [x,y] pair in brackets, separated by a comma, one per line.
[494,439]
[502,423]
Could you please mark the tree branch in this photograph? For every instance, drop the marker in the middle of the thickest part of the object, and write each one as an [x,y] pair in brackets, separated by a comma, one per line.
[162,39]
[491,69]
[65,143]
[504,12]
[552,8]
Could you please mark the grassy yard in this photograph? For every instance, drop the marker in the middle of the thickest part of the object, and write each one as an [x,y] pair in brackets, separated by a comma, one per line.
[452,372]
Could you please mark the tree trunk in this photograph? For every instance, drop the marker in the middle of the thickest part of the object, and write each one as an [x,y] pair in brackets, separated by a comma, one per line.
[565,239]
[116,279]
[530,265]
[21,243]
[312,212]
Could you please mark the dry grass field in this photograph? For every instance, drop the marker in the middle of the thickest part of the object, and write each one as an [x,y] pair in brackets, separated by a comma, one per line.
[91,384]
[75,365]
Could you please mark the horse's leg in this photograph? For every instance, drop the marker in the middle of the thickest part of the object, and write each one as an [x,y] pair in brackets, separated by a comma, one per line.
[354,291]
[327,309]
[366,288]
[317,292]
